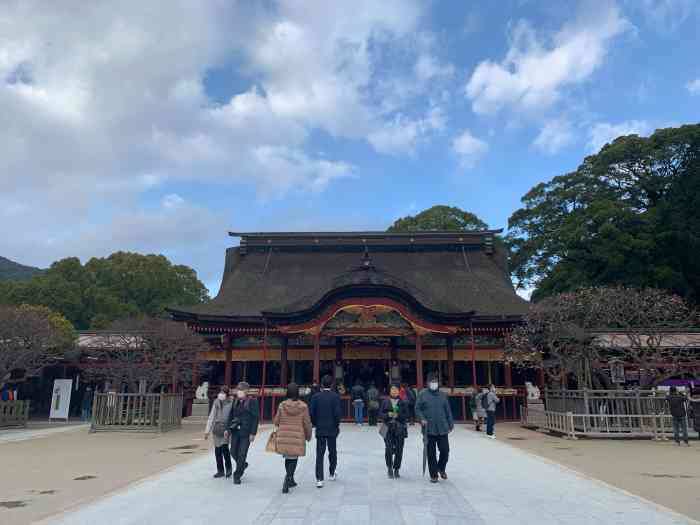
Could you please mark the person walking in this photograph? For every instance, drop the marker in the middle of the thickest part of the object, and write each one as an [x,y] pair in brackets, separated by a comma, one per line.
[242,427]
[372,405]
[678,406]
[695,409]
[478,410]
[489,401]
[325,417]
[357,394]
[435,416]
[86,405]
[293,427]
[216,426]
[394,415]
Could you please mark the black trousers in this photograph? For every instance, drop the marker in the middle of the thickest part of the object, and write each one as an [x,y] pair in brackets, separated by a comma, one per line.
[393,452]
[321,443]
[240,443]
[372,416]
[222,456]
[290,466]
[436,465]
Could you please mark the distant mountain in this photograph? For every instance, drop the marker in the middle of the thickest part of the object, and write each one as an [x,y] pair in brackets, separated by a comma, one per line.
[12,271]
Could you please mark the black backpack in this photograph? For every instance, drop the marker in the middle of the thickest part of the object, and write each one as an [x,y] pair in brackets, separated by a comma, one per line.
[485,401]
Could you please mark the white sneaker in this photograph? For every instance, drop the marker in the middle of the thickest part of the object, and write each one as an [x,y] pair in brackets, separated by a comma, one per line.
[492,436]
[332,477]
[319,484]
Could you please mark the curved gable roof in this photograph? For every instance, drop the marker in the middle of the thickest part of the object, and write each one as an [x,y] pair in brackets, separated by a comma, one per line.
[444,278]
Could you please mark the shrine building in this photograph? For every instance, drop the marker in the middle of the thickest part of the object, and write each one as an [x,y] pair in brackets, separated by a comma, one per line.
[369,306]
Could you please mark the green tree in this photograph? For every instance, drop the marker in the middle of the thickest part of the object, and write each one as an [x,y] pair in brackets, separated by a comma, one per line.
[439,218]
[105,289]
[617,220]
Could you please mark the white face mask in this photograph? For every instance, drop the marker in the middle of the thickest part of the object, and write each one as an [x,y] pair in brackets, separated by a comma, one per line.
[221,396]
[433,385]
[240,394]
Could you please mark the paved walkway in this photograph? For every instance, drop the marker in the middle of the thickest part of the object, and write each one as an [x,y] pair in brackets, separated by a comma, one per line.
[11,435]
[490,483]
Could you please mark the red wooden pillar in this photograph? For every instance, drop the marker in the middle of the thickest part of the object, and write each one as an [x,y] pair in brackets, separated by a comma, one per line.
[509,375]
[317,358]
[284,360]
[228,350]
[471,329]
[264,364]
[540,378]
[450,361]
[419,362]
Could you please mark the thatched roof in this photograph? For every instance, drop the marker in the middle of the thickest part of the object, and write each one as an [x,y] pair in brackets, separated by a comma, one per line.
[442,272]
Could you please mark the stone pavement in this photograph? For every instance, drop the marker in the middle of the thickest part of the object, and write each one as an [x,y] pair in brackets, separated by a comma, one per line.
[490,483]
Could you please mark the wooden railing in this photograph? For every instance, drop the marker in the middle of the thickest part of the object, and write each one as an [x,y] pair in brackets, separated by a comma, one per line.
[14,413]
[601,402]
[136,412]
[602,413]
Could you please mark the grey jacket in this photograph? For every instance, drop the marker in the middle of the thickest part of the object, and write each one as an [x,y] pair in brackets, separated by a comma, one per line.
[220,411]
[480,410]
[493,401]
[433,407]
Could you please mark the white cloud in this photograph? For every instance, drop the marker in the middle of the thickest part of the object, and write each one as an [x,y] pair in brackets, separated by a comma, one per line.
[402,135]
[694,86]
[469,149]
[100,105]
[427,67]
[665,15]
[554,136]
[535,70]
[603,133]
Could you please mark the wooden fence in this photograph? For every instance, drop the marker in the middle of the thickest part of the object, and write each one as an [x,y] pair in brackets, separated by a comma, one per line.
[600,402]
[601,413]
[136,412]
[14,413]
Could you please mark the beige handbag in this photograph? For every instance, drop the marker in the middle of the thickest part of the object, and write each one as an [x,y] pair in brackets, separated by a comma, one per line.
[271,445]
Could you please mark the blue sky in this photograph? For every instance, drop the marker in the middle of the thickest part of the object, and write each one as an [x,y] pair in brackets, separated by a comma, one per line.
[160,126]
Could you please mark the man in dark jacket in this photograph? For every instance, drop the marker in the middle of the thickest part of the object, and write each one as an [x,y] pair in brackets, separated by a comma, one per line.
[242,427]
[678,406]
[325,416]
[434,413]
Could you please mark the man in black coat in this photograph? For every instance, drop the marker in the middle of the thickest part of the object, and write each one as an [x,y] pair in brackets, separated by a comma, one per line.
[678,406]
[242,427]
[325,416]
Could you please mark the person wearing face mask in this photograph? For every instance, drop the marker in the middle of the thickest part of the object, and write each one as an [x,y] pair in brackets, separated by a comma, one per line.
[216,425]
[491,400]
[394,414]
[435,416]
[242,426]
